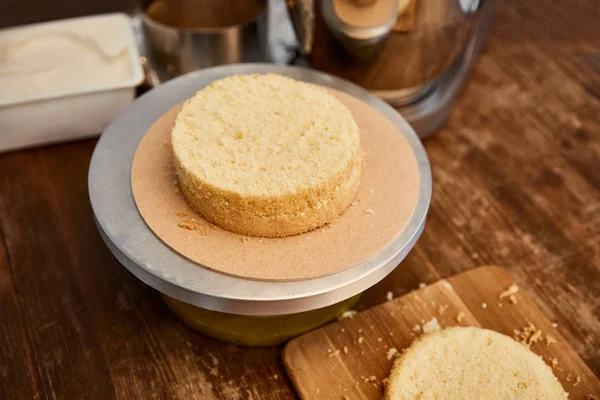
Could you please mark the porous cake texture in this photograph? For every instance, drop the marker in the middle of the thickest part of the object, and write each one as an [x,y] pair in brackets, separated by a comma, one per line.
[470,364]
[265,155]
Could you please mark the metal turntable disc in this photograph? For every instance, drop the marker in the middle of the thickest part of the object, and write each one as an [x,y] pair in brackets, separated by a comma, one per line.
[147,257]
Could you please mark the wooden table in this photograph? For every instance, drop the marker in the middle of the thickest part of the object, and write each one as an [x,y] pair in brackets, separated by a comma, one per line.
[516,182]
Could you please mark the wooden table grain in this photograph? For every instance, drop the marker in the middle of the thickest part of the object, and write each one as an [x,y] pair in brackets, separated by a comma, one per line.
[516,174]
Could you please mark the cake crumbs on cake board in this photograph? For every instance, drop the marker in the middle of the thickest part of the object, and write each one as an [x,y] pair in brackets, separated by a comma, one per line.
[190,224]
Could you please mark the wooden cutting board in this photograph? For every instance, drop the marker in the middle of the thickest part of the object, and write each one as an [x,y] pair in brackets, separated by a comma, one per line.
[335,362]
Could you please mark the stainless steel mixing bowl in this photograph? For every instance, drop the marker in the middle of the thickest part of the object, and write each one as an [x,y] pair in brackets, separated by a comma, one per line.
[402,65]
[181,49]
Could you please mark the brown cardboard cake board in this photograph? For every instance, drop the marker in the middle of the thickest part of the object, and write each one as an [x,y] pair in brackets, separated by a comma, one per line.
[384,203]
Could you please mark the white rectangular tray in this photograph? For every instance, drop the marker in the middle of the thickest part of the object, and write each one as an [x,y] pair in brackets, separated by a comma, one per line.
[76,113]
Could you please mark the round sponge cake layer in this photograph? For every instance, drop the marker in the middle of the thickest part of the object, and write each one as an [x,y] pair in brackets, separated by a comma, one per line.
[470,363]
[265,155]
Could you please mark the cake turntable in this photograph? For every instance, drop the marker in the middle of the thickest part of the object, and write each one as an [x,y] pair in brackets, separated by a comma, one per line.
[226,303]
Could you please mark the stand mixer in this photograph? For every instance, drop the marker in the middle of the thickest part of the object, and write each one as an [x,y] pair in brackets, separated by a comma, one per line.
[414,54]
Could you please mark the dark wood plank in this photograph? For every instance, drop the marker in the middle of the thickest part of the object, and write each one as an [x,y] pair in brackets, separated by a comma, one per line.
[43,266]
[19,376]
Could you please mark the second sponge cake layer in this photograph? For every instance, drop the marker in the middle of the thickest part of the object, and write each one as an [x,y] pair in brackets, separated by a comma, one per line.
[264,155]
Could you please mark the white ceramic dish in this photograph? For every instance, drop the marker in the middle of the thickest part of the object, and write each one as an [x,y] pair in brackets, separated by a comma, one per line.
[73,107]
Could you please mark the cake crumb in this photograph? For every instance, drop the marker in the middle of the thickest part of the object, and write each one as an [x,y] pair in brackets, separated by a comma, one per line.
[389,296]
[431,326]
[335,353]
[213,226]
[244,239]
[510,291]
[190,224]
[512,299]
[460,316]
[432,302]
[416,328]
[391,353]
[369,211]
[345,397]
[371,378]
[577,381]
[276,376]
[354,203]
[422,285]
[442,309]
[553,362]
[361,339]
[391,333]
[329,350]
[499,305]
[379,339]
[535,337]
[528,335]
[345,349]
[348,314]
[359,330]
[549,340]
[554,325]
[447,285]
